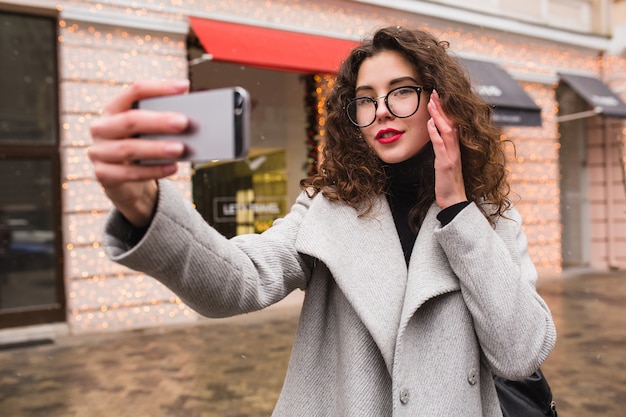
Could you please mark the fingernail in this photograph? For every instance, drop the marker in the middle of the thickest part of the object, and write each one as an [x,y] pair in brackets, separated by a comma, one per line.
[178,122]
[174,148]
[178,84]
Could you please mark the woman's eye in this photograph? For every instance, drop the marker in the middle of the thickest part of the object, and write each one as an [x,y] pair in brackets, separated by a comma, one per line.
[403,92]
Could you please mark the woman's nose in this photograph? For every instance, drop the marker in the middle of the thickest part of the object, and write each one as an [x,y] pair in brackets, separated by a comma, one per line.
[382,111]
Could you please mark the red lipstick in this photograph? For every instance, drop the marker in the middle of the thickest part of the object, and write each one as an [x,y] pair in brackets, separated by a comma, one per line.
[386,136]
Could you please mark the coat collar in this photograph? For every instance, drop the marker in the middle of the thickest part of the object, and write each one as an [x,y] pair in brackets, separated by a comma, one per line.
[365,258]
[429,272]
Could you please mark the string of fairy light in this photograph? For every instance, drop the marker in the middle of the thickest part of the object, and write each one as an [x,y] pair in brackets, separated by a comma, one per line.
[315,92]
[312,104]
[96,65]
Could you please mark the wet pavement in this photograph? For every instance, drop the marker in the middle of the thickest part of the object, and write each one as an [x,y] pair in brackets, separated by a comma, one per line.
[587,369]
[235,367]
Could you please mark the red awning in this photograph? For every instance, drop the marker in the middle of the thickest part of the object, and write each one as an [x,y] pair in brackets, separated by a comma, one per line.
[270,48]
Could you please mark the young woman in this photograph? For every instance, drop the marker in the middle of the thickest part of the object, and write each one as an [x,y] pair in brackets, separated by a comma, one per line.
[418,285]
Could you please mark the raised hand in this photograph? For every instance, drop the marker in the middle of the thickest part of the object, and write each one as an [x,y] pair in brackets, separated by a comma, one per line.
[114,151]
[449,185]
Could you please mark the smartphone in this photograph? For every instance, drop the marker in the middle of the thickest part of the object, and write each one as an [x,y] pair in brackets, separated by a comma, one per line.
[219,123]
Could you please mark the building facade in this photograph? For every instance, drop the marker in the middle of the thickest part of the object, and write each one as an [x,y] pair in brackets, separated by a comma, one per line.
[68,58]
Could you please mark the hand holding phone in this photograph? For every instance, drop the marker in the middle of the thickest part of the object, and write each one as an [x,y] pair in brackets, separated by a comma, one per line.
[219,123]
[114,150]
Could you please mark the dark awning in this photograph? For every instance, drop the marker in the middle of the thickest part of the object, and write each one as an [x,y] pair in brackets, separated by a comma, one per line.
[511,104]
[270,48]
[597,94]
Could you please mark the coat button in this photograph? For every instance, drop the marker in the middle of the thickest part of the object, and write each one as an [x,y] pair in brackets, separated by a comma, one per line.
[472,377]
[404,395]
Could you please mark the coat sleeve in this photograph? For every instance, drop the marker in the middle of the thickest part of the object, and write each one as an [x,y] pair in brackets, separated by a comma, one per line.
[497,277]
[215,276]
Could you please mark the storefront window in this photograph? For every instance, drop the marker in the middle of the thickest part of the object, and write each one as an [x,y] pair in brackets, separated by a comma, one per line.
[28,105]
[27,255]
[241,197]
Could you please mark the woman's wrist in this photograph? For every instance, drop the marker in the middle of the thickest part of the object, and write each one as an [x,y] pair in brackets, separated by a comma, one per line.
[140,212]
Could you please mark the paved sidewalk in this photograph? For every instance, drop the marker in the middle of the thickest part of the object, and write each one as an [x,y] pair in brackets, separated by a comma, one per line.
[235,367]
[587,369]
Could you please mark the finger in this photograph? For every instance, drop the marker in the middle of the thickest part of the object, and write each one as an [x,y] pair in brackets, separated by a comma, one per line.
[125,151]
[433,132]
[444,124]
[111,175]
[132,122]
[144,89]
[439,147]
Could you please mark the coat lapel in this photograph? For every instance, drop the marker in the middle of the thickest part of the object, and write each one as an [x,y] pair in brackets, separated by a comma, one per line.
[429,272]
[365,259]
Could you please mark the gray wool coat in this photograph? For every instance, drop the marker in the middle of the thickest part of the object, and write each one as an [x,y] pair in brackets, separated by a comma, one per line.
[374,338]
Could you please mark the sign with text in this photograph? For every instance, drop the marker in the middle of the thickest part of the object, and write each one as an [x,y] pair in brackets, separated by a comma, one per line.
[225,209]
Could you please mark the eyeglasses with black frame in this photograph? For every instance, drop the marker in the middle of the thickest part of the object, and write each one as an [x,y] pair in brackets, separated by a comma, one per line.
[402,102]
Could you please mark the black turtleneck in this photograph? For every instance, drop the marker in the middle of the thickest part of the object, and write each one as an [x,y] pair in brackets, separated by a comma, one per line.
[405,181]
[402,197]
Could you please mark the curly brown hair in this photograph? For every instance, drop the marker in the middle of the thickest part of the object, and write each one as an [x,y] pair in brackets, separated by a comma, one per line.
[351,172]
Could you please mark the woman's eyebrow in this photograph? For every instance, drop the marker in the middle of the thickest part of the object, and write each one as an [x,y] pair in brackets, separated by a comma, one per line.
[402,80]
[393,82]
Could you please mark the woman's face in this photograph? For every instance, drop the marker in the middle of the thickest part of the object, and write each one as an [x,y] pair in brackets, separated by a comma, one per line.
[393,139]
